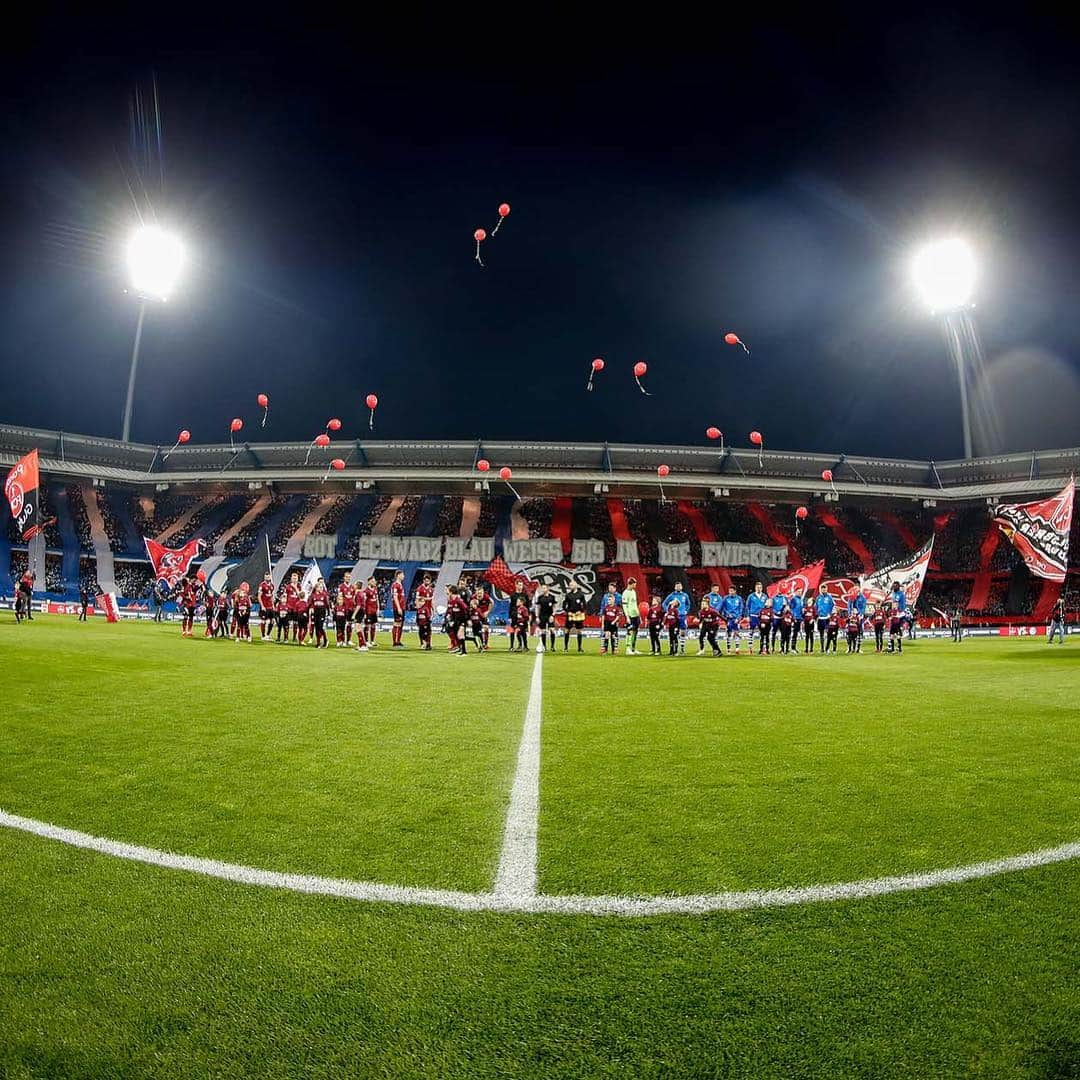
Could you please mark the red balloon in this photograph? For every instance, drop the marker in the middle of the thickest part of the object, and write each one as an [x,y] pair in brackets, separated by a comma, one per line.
[237,424]
[322,440]
[826,475]
[200,575]
[640,368]
[479,235]
[713,432]
[505,472]
[184,436]
[483,465]
[732,339]
[755,438]
[598,364]
[371,401]
[333,425]
[663,470]
[263,401]
[801,513]
[504,210]
[338,464]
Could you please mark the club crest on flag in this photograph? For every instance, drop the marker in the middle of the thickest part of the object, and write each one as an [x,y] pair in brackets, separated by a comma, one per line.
[1040,532]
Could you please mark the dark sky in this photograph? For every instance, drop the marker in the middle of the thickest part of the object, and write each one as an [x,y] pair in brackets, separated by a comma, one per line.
[770,179]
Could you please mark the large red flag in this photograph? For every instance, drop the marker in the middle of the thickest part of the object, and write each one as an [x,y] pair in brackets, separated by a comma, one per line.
[841,589]
[501,576]
[170,565]
[23,493]
[1040,532]
[803,581]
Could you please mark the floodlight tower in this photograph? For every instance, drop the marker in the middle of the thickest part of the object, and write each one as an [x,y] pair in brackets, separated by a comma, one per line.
[155,259]
[944,274]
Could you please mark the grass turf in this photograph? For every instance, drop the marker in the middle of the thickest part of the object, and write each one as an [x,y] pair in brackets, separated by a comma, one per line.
[667,775]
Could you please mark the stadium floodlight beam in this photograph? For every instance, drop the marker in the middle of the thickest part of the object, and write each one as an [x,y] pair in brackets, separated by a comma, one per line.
[155,261]
[944,273]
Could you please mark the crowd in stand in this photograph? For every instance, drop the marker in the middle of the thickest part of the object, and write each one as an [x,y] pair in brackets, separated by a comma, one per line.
[242,543]
[537,514]
[113,529]
[448,523]
[155,515]
[79,517]
[364,527]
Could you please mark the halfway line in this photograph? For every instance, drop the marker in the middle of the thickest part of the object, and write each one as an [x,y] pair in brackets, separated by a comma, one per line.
[516,876]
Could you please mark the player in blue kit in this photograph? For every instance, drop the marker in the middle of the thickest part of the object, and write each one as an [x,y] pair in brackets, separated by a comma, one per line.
[754,603]
[825,606]
[732,611]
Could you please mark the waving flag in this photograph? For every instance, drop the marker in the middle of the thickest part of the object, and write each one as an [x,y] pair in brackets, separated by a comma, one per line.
[800,583]
[1040,532]
[252,570]
[311,575]
[910,572]
[500,575]
[841,589]
[172,564]
[21,488]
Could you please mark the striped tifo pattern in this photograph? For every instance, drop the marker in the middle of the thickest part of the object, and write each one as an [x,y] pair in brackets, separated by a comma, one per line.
[980,587]
[621,531]
[847,538]
[717,574]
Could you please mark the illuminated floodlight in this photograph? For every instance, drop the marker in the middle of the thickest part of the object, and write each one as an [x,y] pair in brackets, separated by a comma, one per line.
[944,274]
[155,260]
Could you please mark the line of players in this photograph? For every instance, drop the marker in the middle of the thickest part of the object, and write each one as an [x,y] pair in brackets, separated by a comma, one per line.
[294,614]
[291,613]
[775,624]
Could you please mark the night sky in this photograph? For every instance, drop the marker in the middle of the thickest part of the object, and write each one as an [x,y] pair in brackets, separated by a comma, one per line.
[769,180]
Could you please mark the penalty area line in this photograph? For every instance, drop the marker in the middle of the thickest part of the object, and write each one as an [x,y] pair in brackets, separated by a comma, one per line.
[516,876]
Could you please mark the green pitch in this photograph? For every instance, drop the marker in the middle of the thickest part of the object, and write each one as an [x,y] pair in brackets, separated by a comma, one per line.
[657,777]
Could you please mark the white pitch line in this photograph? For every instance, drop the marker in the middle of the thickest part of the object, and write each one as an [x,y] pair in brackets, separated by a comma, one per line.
[536,904]
[516,876]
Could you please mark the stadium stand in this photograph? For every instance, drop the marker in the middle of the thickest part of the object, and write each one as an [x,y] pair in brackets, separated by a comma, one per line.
[884,514]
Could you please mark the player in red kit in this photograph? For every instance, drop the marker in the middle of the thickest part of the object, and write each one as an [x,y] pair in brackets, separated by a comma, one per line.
[457,614]
[266,607]
[319,603]
[397,604]
[189,598]
[293,594]
[241,605]
[300,619]
[425,595]
[339,616]
[347,593]
[484,607]
[371,612]
[283,617]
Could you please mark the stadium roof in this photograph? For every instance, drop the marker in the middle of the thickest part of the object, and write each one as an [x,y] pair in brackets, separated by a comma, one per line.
[539,468]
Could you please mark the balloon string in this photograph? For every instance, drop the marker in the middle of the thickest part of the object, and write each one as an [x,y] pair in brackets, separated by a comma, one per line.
[589,386]
[761,457]
[265,415]
[511,487]
[231,443]
[478,259]
[307,457]
[745,349]
[497,224]
[663,497]
[641,388]
[326,474]
[371,421]
[165,457]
